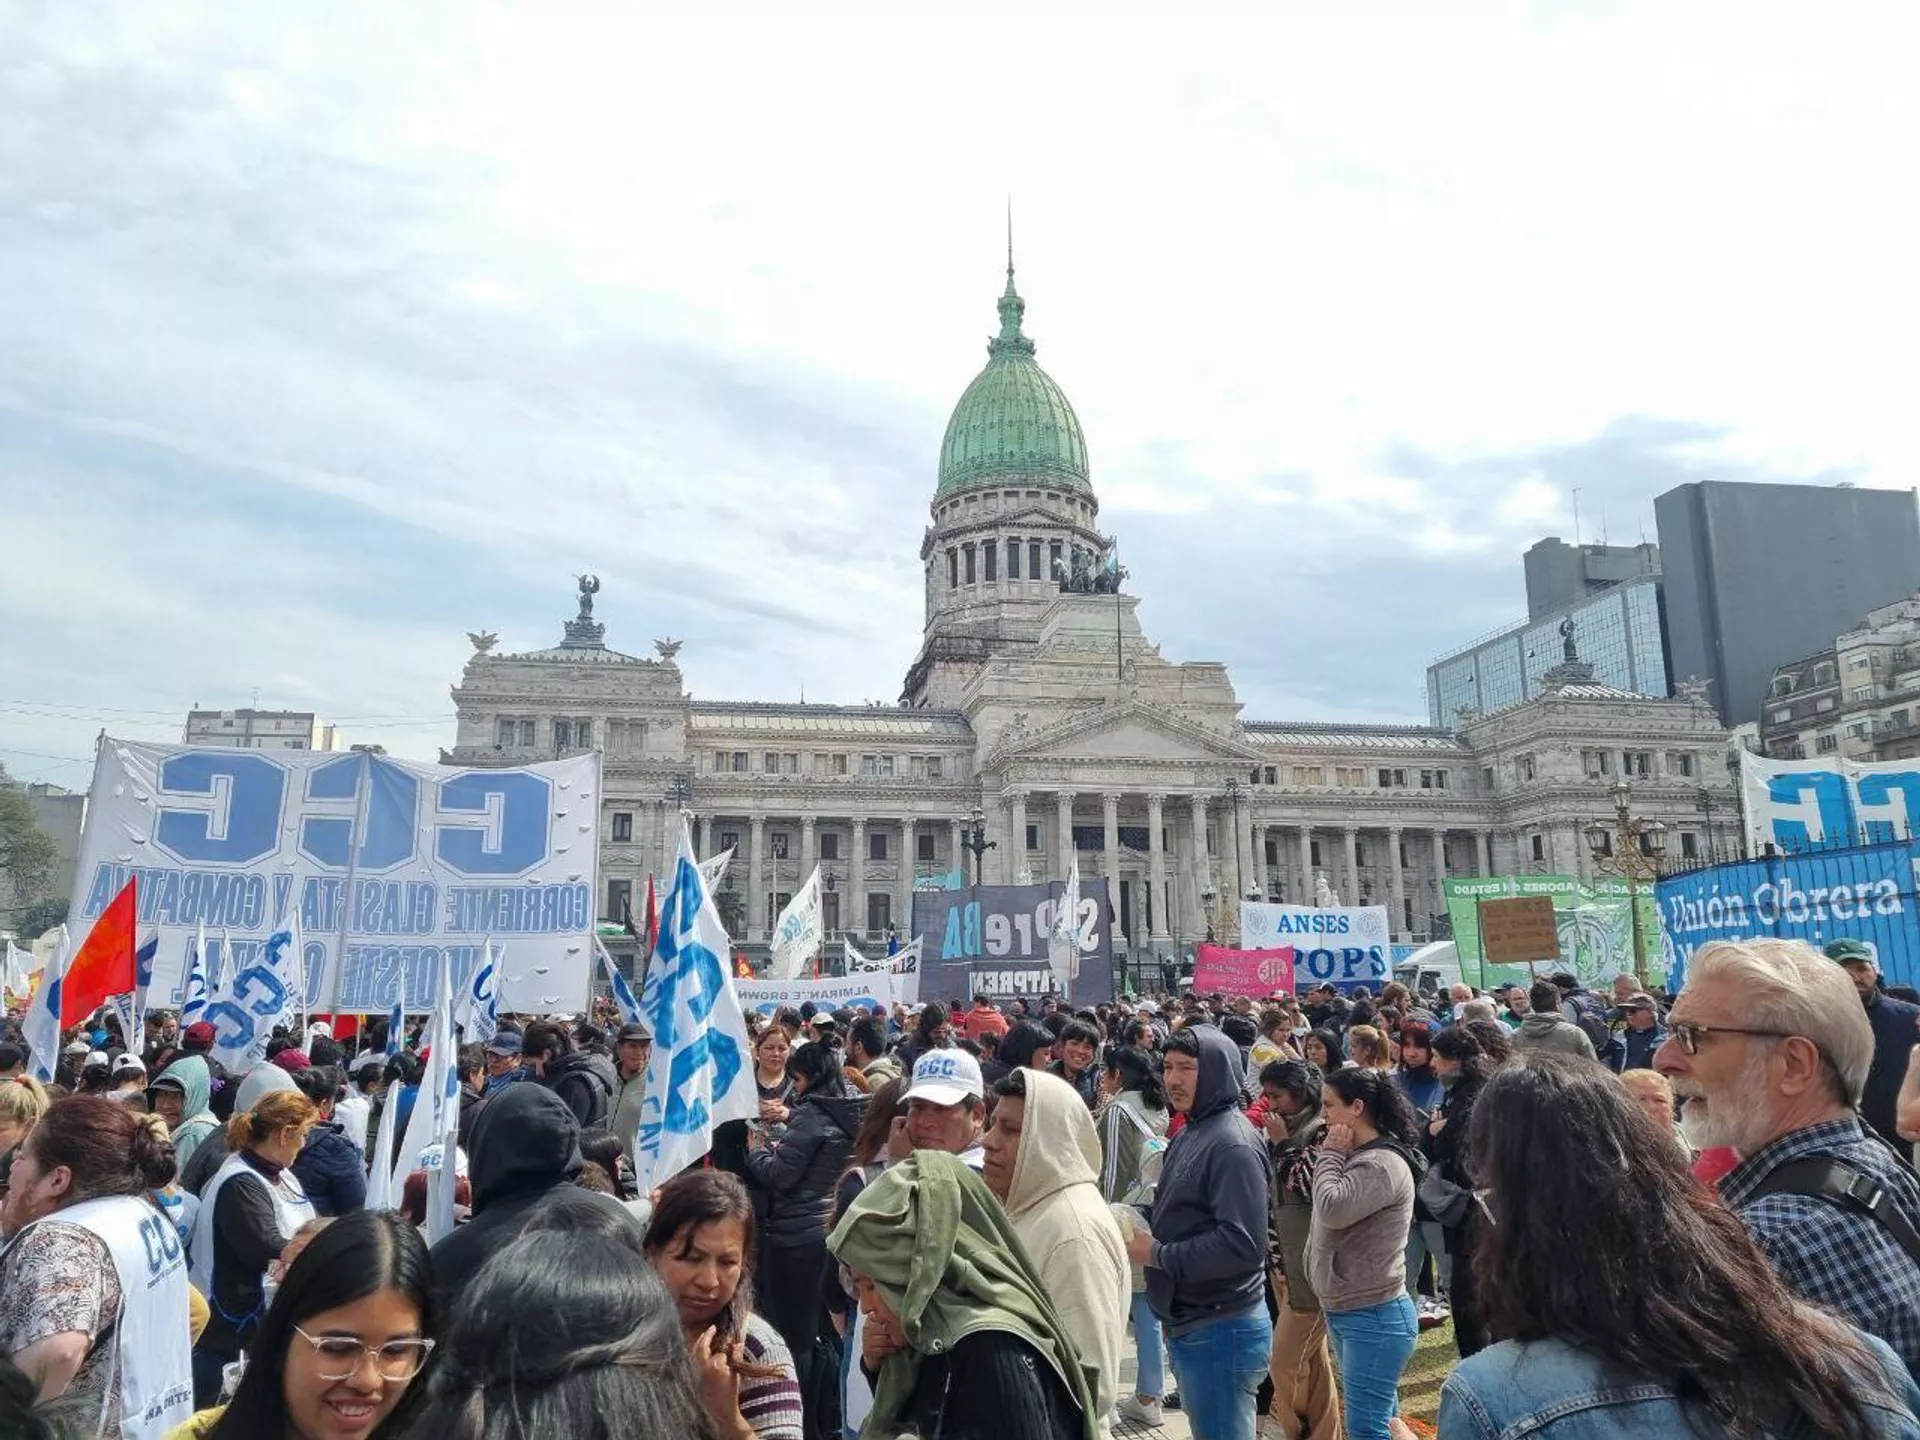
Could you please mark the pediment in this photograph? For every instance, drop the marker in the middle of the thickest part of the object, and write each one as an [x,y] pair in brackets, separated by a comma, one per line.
[1131,731]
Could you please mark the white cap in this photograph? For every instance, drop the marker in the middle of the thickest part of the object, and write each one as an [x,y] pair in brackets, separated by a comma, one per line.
[946,1077]
[95,1057]
[129,1064]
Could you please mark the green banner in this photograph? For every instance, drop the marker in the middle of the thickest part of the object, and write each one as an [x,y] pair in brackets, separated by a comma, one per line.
[1596,936]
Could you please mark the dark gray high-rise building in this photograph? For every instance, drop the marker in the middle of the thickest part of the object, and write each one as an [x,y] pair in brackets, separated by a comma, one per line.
[1759,575]
[1561,576]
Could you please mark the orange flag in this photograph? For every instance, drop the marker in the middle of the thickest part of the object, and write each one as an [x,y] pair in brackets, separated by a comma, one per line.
[104,964]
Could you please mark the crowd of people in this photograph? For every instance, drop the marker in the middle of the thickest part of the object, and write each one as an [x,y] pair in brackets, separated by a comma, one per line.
[1643,1215]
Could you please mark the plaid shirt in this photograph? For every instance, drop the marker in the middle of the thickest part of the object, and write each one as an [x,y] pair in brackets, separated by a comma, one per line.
[1834,1255]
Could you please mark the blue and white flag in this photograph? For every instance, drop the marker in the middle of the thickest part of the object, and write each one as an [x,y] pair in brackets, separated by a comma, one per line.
[1063,936]
[623,996]
[258,995]
[396,1027]
[196,992]
[797,933]
[381,1193]
[476,1012]
[41,1028]
[432,1128]
[699,1076]
[142,979]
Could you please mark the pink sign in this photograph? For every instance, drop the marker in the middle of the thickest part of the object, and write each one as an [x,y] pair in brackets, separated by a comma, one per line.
[1242,972]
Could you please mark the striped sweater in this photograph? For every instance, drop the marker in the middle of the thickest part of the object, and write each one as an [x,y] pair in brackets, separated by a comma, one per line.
[771,1407]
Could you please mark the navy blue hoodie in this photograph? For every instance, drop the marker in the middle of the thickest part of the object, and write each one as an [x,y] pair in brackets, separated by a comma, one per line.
[1209,1216]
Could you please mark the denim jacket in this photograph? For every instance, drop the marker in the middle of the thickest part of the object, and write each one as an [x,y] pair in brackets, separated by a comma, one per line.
[1548,1390]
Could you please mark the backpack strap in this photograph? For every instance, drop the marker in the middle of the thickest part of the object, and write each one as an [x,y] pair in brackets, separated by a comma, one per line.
[1826,1178]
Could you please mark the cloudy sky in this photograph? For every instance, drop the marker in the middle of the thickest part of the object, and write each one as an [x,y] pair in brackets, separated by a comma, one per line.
[329,333]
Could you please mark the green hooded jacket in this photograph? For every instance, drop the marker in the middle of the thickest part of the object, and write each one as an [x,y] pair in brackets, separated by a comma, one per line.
[197,1122]
[934,1240]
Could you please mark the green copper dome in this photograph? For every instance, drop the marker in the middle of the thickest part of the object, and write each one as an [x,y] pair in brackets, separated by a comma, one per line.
[1013,425]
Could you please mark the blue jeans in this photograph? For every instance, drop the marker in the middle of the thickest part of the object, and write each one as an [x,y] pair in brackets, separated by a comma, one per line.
[1220,1366]
[1425,1238]
[1371,1347]
[1147,1340]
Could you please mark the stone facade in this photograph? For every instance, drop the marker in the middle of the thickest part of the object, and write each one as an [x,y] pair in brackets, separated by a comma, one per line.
[1050,713]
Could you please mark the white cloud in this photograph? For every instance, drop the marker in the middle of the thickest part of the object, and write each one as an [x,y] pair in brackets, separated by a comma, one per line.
[685,297]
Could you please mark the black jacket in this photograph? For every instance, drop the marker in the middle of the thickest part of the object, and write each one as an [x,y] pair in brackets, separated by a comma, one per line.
[799,1173]
[331,1170]
[1894,1034]
[1447,1152]
[246,1239]
[526,1153]
[586,1083]
[992,1386]
[1209,1217]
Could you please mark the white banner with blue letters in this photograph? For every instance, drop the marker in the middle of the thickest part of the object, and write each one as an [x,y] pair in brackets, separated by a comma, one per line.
[1827,802]
[388,865]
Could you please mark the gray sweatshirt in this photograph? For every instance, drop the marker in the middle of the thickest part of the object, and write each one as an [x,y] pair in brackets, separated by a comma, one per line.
[1550,1032]
[1362,1206]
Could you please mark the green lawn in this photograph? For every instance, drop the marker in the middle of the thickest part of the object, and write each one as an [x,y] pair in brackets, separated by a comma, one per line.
[1433,1359]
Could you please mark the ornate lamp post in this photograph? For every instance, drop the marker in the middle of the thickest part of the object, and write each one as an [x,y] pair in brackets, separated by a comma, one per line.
[829,883]
[1207,896]
[974,838]
[1632,849]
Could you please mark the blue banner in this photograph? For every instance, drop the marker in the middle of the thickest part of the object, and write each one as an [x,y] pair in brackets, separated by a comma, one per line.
[1863,892]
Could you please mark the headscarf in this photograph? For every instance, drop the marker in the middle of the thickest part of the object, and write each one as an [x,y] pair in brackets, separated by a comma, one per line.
[934,1240]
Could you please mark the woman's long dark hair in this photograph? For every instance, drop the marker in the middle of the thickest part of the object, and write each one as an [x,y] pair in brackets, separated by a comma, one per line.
[1329,1037]
[876,1123]
[1461,1045]
[1387,1105]
[1021,1043]
[700,1197]
[362,1252]
[819,1065]
[1138,1072]
[563,1333]
[1672,1288]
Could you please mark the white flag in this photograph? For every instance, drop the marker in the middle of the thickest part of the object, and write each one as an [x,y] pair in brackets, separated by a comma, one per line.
[1063,937]
[906,972]
[852,961]
[41,1028]
[699,1076]
[19,976]
[477,1010]
[436,1113]
[713,869]
[797,934]
[197,992]
[257,995]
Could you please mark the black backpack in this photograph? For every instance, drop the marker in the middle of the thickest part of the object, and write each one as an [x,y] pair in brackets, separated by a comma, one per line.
[1591,1018]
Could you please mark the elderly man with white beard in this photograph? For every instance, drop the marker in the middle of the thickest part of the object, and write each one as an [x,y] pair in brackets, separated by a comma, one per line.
[1768,1051]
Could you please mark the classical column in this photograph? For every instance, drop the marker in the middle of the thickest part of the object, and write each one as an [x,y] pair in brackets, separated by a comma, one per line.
[1396,883]
[1244,873]
[1201,861]
[699,837]
[806,847]
[1063,803]
[903,908]
[1257,875]
[1350,892]
[1017,800]
[956,857]
[1483,850]
[1305,896]
[1110,814]
[1439,872]
[1157,867]
[856,920]
[756,880]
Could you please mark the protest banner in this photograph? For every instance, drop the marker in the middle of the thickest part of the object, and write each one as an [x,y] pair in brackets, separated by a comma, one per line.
[1242,972]
[1345,945]
[1861,892]
[1594,924]
[1827,802]
[868,988]
[995,938]
[1519,930]
[391,864]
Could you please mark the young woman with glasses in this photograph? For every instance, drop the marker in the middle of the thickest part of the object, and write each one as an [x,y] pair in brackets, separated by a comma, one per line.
[348,1331]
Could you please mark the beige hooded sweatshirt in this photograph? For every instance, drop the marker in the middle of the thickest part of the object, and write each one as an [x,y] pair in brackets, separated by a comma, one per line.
[1055,1205]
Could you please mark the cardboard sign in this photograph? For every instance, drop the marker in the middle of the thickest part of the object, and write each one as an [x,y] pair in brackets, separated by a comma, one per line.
[1520,930]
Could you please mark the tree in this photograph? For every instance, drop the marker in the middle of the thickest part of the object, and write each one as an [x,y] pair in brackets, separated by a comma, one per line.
[27,853]
[35,920]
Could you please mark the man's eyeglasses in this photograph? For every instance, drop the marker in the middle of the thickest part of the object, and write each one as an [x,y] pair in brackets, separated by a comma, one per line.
[338,1356]
[1688,1033]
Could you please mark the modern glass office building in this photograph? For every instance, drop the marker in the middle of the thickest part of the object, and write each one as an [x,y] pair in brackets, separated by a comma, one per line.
[1620,633]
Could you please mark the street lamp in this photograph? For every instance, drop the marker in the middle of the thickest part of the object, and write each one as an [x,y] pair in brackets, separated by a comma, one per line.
[1632,849]
[829,883]
[974,838]
[1207,896]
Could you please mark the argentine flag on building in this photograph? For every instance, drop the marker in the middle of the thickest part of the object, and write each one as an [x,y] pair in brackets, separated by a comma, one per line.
[699,1076]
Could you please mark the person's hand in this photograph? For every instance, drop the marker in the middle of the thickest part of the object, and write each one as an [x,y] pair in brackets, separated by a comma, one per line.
[1276,1125]
[1140,1245]
[878,1340]
[773,1112]
[1339,1139]
[1436,1125]
[719,1384]
[899,1145]
[756,1138]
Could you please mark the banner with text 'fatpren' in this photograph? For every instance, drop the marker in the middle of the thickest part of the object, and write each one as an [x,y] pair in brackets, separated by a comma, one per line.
[391,863]
[993,938]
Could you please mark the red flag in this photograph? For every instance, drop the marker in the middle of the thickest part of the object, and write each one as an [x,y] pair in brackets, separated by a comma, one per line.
[104,964]
[344,1027]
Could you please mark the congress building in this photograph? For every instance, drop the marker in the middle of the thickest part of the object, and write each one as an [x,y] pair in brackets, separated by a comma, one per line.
[1038,715]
